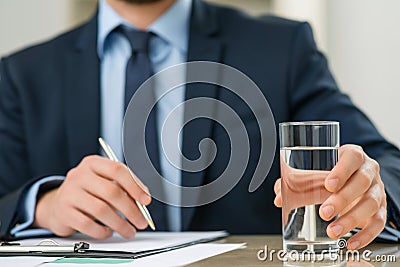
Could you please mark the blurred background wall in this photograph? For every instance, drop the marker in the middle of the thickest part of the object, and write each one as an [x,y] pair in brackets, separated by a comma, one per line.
[360,37]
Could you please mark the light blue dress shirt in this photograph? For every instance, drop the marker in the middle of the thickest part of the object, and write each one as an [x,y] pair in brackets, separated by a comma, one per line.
[167,49]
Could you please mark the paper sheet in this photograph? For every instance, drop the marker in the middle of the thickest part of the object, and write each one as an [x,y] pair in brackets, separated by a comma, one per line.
[25,261]
[187,255]
[142,241]
[178,257]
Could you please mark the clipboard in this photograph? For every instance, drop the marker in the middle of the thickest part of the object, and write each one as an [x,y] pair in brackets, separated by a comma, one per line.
[50,248]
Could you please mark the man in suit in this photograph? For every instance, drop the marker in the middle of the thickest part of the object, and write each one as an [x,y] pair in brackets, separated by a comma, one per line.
[56,97]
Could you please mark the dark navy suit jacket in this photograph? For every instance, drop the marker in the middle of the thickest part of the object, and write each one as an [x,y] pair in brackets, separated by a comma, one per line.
[50,111]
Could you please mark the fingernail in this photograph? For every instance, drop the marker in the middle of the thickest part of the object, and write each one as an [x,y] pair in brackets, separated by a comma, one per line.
[131,234]
[332,183]
[328,211]
[337,229]
[141,223]
[144,198]
[354,245]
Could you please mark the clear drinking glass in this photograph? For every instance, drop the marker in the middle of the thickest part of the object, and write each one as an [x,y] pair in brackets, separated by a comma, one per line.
[308,151]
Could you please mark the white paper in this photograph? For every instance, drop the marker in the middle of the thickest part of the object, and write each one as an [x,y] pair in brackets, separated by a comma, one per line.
[186,255]
[142,241]
[177,257]
[25,261]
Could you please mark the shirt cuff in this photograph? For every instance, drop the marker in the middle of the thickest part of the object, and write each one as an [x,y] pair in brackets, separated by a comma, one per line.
[28,233]
[28,206]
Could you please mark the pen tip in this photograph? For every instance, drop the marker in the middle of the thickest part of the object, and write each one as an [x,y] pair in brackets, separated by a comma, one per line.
[152,226]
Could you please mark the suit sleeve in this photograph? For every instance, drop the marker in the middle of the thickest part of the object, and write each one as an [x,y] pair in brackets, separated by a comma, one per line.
[314,95]
[14,164]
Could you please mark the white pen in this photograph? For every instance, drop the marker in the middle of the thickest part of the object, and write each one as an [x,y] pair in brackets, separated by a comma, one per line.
[110,154]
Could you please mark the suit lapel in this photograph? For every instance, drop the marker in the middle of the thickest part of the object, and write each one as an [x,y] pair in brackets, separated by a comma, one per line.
[203,46]
[83,95]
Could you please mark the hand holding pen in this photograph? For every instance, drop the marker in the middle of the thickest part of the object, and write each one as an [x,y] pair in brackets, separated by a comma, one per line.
[110,154]
[94,191]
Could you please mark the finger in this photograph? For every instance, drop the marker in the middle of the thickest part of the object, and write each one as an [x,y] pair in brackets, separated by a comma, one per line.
[138,181]
[278,200]
[119,172]
[277,186]
[278,197]
[357,185]
[351,159]
[368,205]
[82,223]
[358,263]
[370,232]
[101,211]
[58,225]
[114,195]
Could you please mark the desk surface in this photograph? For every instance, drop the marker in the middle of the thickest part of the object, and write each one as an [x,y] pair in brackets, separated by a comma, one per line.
[248,256]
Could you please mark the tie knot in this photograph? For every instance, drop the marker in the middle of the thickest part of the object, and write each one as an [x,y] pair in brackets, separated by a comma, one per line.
[139,40]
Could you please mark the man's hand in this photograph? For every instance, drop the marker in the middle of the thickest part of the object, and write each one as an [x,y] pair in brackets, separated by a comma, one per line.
[93,192]
[357,196]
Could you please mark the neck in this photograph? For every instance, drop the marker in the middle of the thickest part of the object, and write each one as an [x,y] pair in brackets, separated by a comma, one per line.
[140,15]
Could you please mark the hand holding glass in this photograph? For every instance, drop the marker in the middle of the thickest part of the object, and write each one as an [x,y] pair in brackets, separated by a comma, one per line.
[309,150]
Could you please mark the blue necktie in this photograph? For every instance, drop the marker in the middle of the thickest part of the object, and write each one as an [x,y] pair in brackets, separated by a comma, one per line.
[138,70]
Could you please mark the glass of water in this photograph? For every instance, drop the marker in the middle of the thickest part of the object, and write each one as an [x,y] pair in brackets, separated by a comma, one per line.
[308,151]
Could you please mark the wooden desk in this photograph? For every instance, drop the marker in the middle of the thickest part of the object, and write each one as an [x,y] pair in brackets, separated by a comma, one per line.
[248,256]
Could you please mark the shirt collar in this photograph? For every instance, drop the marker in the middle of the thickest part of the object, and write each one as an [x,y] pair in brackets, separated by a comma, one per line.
[108,20]
[172,26]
